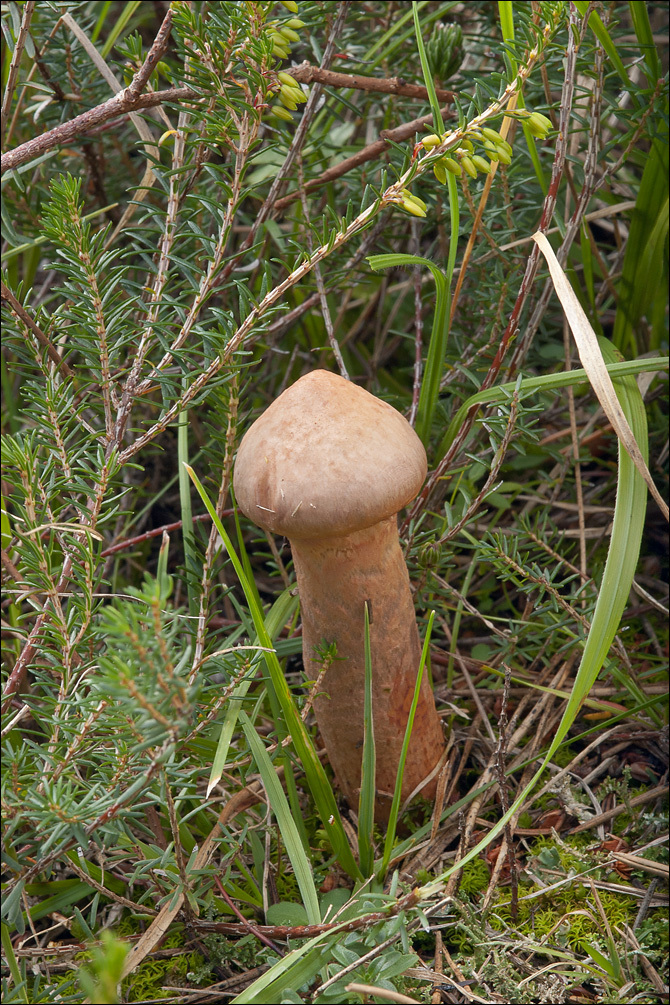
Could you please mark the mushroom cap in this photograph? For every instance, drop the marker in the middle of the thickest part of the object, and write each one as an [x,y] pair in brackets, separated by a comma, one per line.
[327,458]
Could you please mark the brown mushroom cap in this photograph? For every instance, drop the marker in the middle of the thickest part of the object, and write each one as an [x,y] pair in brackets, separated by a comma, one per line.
[327,458]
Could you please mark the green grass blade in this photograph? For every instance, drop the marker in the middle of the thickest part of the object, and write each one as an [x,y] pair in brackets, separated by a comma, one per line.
[20,988]
[316,776]
[190,558]
[624,549]
[277,714]
[640,18]
[506,15]
[622,557]
[438,121]
[547,382]
[119,25]
[437,347]
[298,967]
[641,281]
[276,618]
[289,831]
[366,802]
[395,805]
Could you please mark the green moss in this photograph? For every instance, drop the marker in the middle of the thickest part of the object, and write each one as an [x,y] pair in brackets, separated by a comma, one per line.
[475,878]
[567,916]
[147,982]
[563,756]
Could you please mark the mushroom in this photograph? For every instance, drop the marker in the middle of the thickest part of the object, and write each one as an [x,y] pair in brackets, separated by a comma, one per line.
[328,466]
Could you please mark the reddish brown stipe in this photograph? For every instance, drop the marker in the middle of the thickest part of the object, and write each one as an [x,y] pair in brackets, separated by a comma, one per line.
[328,466]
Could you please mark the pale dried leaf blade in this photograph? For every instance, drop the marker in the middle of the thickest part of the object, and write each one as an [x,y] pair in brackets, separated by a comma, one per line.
[594,364]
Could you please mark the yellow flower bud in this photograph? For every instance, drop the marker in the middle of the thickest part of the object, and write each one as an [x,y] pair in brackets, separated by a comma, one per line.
[440,172]
[491,134]
[467,146]
[431,141]
[287,97]
[281,113]
[413,207]
[406,194]
[290,5]
[286,78]
[481,163]
[539,125]
[453,166]
[289,34]
[295,23]
[468,166]
[297,94]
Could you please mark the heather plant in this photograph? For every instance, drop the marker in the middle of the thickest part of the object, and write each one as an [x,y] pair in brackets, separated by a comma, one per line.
[461,207]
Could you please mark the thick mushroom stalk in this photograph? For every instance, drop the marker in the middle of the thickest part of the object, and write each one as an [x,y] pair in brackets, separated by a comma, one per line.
[328,466]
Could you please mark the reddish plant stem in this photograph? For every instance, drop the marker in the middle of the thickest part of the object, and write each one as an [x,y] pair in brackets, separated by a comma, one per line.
[310,931]
[22,35]
[306,74]
[368,153]
[253,929]
[22,314]
[130,542]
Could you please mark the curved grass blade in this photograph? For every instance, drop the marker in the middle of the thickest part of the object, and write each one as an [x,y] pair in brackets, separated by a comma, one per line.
[276,618]
[395,805]
[547,382]
[437,347]
[289,831]
[622,557]
[366,802]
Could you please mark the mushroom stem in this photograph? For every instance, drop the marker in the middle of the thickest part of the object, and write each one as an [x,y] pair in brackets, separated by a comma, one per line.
[329,466]
[336,577]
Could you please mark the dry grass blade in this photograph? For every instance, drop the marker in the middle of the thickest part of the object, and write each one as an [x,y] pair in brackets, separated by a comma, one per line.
[594,364]
[389,996]
[236,804]
[645,864]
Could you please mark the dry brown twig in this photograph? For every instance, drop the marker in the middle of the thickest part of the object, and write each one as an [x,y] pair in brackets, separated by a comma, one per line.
[128,100]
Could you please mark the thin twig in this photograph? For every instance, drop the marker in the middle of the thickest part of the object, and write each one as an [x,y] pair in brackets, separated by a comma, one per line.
[370,152]
[307,74]
[22,314]
[63,134]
